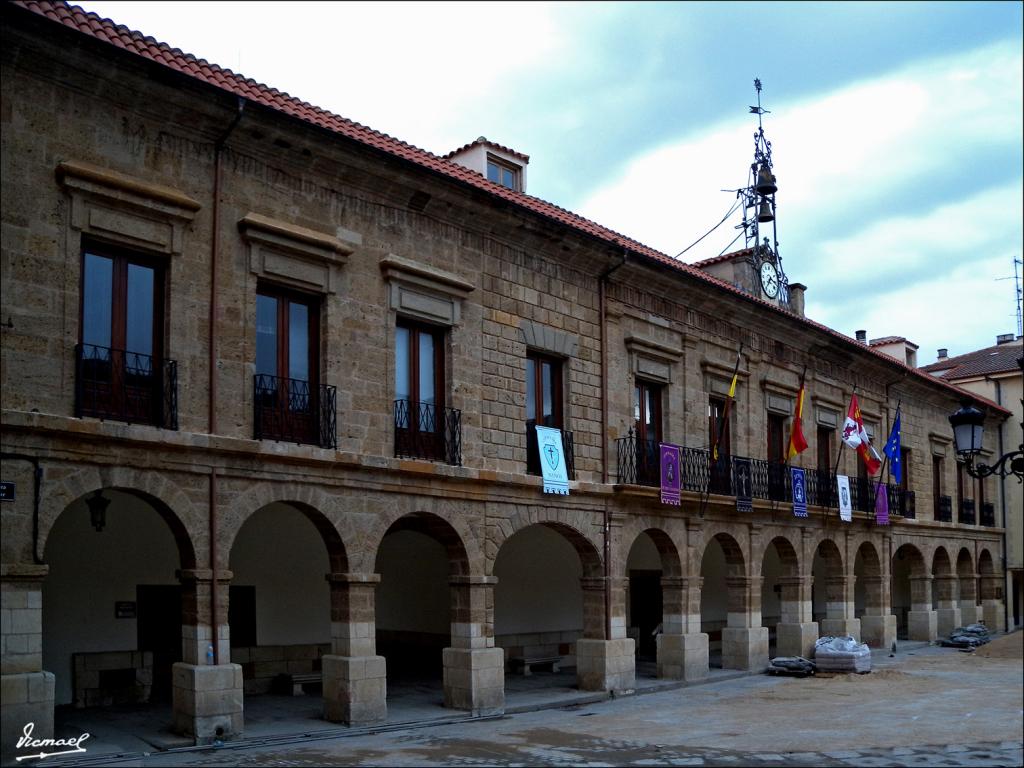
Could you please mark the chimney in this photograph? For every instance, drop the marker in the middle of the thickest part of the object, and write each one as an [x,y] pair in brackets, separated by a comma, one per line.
[796,298]
[862,337]
[943,353]
[1004,338]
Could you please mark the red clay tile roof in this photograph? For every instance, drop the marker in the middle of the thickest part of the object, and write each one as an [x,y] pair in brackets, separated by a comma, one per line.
[886,340]
[136,43]
[1001,358]
[719,259]
[487,143]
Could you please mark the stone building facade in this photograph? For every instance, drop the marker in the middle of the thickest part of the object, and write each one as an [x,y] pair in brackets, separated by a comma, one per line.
[320,463]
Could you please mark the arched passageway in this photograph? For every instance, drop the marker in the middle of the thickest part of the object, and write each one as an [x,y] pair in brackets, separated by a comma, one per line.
[912,595]
[945,593]
[968,581]
[871,599]
[655,606]
[833,594]
[112,603]
[785,601]
[279,601]
[549,596]
[730,608]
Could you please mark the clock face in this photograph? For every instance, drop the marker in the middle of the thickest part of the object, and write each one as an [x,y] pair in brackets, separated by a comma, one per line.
[769,279]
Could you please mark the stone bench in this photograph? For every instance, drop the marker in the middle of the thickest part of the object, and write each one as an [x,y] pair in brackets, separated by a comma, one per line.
[295,682]
[528,661]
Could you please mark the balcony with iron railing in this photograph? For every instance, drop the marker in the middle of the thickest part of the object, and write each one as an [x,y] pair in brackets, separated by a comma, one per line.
[638,463]
[533,452]
[944,509]
[987,516]
[293,411]
[425,431]
[125,386]
[967,512]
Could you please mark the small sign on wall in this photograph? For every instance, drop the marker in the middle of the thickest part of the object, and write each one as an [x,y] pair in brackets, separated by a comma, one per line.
[125,609]
[7,491]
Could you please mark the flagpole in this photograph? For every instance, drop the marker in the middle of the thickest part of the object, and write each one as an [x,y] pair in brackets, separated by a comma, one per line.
[885,460]
[713,457]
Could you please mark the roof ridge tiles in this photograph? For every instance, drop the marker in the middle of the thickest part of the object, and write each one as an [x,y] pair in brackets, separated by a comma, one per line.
[64,13]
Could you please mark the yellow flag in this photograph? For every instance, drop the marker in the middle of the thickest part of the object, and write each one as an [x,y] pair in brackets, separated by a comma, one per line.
[732,387]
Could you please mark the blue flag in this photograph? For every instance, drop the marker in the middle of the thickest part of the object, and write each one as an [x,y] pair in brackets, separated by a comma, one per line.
[892,450]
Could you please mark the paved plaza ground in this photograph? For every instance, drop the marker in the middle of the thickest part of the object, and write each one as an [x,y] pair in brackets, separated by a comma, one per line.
[927,706]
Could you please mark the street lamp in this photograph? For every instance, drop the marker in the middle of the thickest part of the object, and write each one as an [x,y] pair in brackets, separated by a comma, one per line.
[968,428]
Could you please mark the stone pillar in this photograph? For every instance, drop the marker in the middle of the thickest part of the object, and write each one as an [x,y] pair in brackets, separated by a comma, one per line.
[28,691]
[207,697]
[682,647]
[878,624]
[922,621]
[970,611]
[744,640]
[993,611]
[947,604]
[354,676]
[474,670]
[795,634]
[840,616]
[604,664]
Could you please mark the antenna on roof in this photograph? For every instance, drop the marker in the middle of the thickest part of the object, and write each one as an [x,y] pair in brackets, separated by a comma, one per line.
[1016,294]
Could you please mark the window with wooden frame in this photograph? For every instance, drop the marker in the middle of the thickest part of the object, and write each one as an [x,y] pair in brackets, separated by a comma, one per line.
[543,402]
[287,365]
[776,449]
[119,356]
[721,474]
[504,173]
[647,426]
[419,390]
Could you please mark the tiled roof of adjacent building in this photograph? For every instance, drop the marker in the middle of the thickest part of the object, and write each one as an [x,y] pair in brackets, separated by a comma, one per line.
[136,43]
[487,143]
[886,340]
[723,257]
[1001,358]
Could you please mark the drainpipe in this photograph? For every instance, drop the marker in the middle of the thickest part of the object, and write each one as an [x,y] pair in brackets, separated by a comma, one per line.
[601,299]
[218,148]
[37,477]
[1008,597]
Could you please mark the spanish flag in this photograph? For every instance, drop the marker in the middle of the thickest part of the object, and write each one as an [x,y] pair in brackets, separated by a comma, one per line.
[797,441]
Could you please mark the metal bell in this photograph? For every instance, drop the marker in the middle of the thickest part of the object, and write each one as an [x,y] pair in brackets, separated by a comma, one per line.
[764,212]
[765,181]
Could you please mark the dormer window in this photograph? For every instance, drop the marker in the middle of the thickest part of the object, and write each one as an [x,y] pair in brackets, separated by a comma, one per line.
[502,173]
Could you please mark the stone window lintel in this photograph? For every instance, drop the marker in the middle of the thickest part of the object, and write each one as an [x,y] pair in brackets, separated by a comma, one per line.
[293,254]
[424,292]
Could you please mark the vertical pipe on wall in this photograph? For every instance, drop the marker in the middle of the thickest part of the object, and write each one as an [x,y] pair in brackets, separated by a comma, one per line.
[218,148]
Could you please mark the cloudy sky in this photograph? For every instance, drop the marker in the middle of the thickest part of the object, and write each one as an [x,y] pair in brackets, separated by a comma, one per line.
[896,127]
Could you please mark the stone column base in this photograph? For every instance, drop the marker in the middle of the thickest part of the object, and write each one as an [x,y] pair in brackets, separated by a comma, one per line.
[878,631]
[474,680]
[745,648]
[994,615]
[208,701]
[606,665]
[922,625]
[27,697]
[796,639]
[841,628]
[355,689]
[946,620]
[970,613]
[683,657]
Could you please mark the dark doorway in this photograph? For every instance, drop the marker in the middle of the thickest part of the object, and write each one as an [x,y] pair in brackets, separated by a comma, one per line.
[159,631]
[645,610]
[242,616]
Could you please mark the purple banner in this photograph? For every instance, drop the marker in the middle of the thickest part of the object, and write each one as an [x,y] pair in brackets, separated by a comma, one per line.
[799,491]
[669,473]
[881,504]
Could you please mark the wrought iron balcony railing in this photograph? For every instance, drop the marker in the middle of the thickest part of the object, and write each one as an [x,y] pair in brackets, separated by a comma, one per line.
[988,514]
[967,512]
[292,411]
[944,509]
[125,386]
[638,463]
[424,431]
[533,452]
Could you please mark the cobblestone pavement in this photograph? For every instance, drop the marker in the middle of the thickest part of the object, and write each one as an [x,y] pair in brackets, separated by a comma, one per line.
[934,707]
